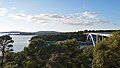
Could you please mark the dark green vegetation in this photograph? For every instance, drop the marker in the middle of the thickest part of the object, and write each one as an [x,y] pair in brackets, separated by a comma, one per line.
[66,53]
[63,36]
[5,46]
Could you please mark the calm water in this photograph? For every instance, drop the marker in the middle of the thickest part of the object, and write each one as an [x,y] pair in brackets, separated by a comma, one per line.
[20,41]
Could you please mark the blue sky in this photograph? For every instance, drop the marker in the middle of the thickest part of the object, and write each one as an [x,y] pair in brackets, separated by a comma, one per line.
[59,15]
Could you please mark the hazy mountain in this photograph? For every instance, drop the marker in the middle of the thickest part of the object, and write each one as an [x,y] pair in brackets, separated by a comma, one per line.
[46,33]
[32,33]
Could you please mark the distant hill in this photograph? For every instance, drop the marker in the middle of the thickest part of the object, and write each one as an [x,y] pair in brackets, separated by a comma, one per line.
[32,33]
[101,31]
[12,32]
[46,33]
[55,32]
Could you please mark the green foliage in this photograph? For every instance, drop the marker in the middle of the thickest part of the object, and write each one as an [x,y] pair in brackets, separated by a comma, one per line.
[31,64]
[5,46]
[39,53]
[87,57]
[66,54]
[61,54]
[62,36]
[37,50]
[12,64]
[107,53]
[9,56]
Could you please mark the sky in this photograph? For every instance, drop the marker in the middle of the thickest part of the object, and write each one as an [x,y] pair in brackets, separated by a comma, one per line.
[59,15]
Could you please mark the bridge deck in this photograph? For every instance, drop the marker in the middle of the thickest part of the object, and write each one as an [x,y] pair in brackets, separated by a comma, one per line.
[101,34]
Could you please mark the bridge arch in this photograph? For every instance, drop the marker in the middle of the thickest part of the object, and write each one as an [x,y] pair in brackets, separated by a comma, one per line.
[90,36]
[96,37]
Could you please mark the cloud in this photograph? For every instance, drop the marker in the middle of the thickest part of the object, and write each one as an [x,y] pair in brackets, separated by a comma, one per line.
[85,18]
[13,8]
[41,18]
[19,16]
[3,11]
[89,14]
[103,21]
[0,3]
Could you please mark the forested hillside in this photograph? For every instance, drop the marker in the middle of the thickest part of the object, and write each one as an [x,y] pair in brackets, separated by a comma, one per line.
[64,54]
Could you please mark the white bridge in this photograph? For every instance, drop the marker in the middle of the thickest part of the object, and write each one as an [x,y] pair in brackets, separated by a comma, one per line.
[96,37]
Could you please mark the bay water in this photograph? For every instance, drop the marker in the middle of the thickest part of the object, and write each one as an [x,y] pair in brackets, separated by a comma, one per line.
[20,41]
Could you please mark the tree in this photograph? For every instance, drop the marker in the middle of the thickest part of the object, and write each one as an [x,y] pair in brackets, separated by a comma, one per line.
[107,54]
[5,46]
[36,51]
[12,64]
[60,54]
[87,57]
[19,58]
[65,54]
[9,57]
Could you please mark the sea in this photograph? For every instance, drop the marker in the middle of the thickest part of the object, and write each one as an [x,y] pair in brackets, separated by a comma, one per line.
[20,41]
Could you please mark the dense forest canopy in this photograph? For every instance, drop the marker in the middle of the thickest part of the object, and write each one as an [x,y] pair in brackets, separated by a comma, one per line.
[65,53]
